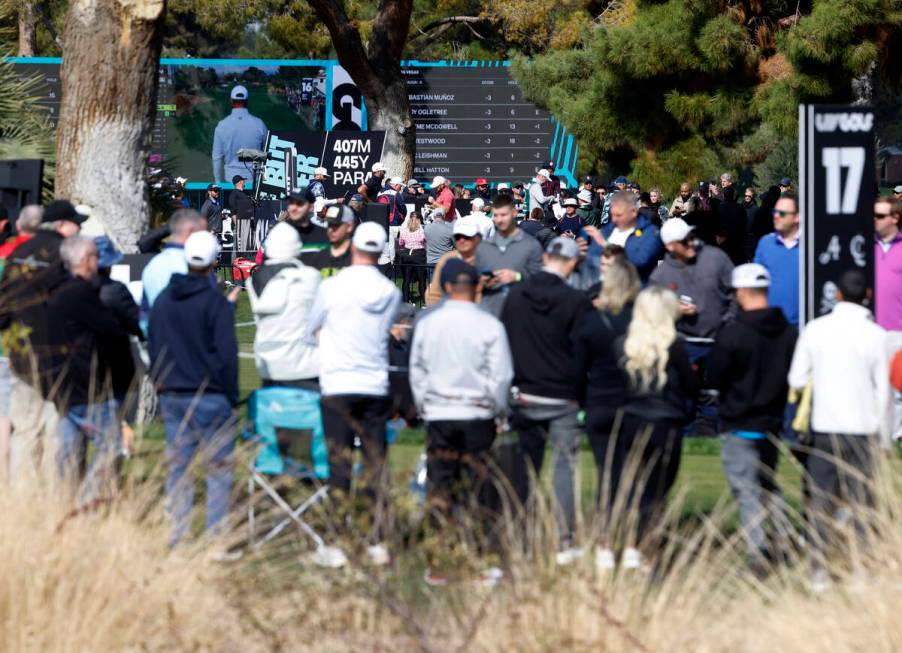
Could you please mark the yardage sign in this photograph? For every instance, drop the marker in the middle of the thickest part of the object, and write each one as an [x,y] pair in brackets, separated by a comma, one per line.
[836,201]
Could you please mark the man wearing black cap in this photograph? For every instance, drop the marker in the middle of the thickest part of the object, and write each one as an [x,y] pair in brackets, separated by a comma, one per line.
[211,209]
[785,185]
[339,227]
[299,214]
[357,203]
[240,203]
[34,271]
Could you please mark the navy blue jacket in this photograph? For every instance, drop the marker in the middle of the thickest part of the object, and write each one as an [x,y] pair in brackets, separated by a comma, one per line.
[643,248]
[191,338]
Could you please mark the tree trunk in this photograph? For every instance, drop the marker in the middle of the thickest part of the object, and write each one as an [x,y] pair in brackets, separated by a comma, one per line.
[109,92]
[389,111]
[28,34]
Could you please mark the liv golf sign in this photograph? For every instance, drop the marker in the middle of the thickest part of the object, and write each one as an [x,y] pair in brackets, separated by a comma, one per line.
[836,201]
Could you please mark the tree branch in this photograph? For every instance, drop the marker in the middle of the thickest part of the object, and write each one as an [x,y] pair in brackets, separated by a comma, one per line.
[47,23]
[442,25]
[346,39]
[390,28]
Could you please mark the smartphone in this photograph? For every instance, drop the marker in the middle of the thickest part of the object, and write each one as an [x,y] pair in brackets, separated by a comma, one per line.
[686,299]
[486,273]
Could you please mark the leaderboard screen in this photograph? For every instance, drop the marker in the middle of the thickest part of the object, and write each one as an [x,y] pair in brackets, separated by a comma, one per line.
[472,120]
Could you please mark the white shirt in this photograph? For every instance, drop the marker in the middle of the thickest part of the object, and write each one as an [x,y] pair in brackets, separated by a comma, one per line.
[620,236]
[846,355]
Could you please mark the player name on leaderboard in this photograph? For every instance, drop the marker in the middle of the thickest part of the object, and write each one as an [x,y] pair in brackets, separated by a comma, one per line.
[475,123]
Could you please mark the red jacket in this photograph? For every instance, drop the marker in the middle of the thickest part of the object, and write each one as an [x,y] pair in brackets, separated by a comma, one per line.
[7,248]
[895,371]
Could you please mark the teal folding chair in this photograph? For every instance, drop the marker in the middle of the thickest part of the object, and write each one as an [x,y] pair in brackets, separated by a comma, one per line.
[288,426]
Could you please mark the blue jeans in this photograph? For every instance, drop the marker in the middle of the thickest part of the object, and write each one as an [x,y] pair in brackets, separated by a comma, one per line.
[99,424]
[201,427]
[705,420]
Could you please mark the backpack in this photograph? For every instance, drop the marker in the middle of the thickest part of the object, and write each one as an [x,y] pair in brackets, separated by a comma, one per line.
[242,269]
[397,209]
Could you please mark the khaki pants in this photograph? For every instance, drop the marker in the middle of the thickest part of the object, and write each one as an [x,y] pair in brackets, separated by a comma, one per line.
[33,443]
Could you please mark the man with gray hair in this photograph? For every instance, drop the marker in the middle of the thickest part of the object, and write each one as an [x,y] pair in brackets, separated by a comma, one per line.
[81,334]
[439,239]
[27,225]
[171,260]
[633,232]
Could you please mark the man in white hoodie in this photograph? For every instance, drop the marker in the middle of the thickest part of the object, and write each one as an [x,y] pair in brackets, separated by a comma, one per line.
[478,216]
[351,317]
[460,375]
[281,294]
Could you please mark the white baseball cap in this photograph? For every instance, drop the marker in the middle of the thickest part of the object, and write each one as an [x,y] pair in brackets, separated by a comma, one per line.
[369,237]
[464,227]
[282,242]
[413,182]
[202,249]
[239,93]
[675,230]
[503,185]
[321,171]
[438,181]
[395,180]
[751,275]
[477,204]
[378,167]
[543,173]
[898,189]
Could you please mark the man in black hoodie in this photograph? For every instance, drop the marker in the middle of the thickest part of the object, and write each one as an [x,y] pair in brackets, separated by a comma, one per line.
[194,359]
[749,367]
[542,317]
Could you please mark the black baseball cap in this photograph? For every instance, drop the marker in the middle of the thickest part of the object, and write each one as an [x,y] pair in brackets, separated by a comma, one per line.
[357,197]
[213,187]
[456,271]
[339,214]
[62,210]
[237,178]
[301,196]
[588,180]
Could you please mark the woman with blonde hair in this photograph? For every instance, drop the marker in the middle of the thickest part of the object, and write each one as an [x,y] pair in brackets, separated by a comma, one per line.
[661,384]
[412,243]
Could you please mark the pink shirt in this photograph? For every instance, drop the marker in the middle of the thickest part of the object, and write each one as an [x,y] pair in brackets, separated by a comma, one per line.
[446,199]
[412,239]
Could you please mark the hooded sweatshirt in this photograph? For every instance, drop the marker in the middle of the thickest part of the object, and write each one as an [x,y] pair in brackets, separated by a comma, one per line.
[542,317]
[353,312]
[191,339]
[749,366]
[281,294]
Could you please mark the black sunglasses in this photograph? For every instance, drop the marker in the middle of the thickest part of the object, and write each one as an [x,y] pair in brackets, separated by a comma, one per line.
[783,214]
[462,237]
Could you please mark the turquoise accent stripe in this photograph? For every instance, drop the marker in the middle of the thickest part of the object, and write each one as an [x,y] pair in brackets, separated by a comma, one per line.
[329,73]
[557,128]
[33,59]
[569,147]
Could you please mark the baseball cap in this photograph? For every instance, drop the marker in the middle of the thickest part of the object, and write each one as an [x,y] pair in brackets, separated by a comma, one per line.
[477,204]
[378,167]
[482,182]
[236,179]
[282,242]
[395,180]
[751,275]
[570,202]
[565,247]
[675,230]
[202,249]
[369,237]
[503,185]
[456,271]
[439,180]
[339,214]
[319,204]
[621,180]
[413,182]
[548,164]
[406,312]
[213,187]
[464,227]
[898,189]
[588,180]
[786,181]
[357,197]
[62,210]
[107,254]
[544,173]
[239,93]
[301,196]
[321,171]
[634,185]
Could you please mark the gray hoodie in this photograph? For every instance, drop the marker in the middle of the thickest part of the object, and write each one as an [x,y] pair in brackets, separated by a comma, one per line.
[520,253]
[707,280]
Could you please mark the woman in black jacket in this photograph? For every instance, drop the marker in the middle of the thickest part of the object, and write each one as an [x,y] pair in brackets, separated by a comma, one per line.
[661,383]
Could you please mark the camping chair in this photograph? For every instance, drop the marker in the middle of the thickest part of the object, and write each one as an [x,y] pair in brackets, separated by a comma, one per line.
[288,425]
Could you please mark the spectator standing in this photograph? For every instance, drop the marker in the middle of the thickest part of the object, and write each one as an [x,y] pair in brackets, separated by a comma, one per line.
[240,203]
[509,256]
[317,187]
[534,222]
[656,203]
[412,239]
[211,210]
[733,233]
[483,222]
[281,294]
[311,230]
[888,285]
[439,239]
[539,195]
[596,355]
[482,190]
[466,240]
[194,357]
[661,384]
[570,223]
[785,185]
[236,131]
[373,185]
[683,204]
[589,210]
[393,196]
[542,317]
[337,256]
[27,225]
[158,272]
[351,317]
[844,355]
[634,233]
[751,213]
[444,198]
[84,334]
[897,192]
[704,216]
[748,369]
[779,253]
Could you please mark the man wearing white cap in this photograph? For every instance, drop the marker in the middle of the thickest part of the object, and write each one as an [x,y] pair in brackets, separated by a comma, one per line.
[393,196]
[373,185]
[350,319]
[537,196]
[194,358]
[236,131]
[443,198]
[480,219]
[748,369]
[319,191]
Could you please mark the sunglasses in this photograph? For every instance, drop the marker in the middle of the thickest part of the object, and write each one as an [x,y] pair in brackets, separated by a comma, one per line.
[783,214]
[462,237]
[880,216]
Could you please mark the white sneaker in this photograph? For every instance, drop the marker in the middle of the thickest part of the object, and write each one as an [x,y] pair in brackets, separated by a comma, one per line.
[378,555]
[605,561]
[568,556]
[489,578]
[330,557]
[820,581]
[632,558]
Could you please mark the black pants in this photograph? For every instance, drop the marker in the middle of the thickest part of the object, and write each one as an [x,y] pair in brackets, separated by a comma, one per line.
[346,417]
[608,449]
[652,462]
[456,460]
[413,264]
[842,473]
